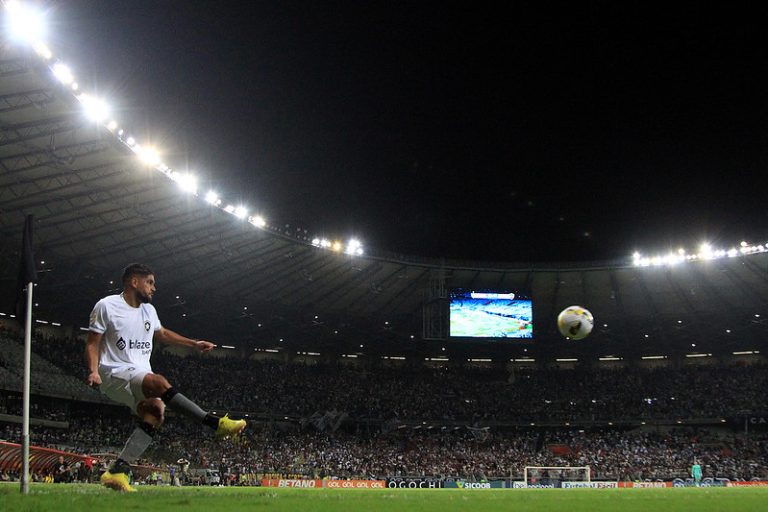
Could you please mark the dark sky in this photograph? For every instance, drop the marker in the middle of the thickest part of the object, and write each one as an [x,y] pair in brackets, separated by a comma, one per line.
[534,131]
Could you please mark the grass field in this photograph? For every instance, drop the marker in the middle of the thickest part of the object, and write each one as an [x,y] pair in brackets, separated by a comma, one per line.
[77,498]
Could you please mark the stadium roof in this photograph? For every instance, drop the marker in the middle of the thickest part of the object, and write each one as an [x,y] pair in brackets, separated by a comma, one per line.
[97,207]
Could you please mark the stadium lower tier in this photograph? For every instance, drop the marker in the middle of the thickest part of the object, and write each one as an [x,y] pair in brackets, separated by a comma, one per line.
[330,393]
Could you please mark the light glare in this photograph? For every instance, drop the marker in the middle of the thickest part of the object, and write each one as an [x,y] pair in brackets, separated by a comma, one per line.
[212,198]
[63,73]
[42,50]
[187,182]
[24,23]
[95,109]
[258,221]
[148,155]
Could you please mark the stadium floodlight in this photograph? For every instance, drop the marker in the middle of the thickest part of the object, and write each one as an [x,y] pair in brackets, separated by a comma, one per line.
[95,109]
[354,247]
[112,125]
[240,212]
[75,87]
[258,221]
[62,72]
[24,23]
[316,242]
[187,182]
[212,198]
[148,155]
[42,50]
[336,246]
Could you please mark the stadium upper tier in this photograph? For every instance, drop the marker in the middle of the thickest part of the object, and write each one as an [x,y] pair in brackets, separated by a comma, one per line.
[98,207]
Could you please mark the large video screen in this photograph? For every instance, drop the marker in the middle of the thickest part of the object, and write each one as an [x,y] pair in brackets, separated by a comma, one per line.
[490,314]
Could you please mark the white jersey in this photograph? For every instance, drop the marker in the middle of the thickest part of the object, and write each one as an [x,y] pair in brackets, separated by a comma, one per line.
[127,331]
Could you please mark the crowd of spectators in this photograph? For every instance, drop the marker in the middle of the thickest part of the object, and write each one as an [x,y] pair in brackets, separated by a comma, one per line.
[450,393]
[612,454]
[419,421]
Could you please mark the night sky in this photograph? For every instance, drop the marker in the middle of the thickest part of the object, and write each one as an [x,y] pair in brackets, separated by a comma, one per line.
[536,131]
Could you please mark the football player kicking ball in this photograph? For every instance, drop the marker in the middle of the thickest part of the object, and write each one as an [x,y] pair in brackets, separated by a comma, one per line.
[122,332]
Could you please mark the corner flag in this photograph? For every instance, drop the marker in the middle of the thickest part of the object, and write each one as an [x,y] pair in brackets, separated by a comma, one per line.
[28,271]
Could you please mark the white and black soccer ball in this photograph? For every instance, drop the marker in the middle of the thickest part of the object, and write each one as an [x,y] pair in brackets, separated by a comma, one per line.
[575,322]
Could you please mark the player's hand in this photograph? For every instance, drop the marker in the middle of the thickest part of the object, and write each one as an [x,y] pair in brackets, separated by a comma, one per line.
[93,380]
[205,346]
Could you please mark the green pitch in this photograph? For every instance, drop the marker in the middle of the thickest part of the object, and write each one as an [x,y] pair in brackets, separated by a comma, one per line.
[78,498]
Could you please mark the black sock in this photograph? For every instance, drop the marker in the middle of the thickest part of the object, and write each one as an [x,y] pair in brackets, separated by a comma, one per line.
[181,404]
[211,421]
[119,466]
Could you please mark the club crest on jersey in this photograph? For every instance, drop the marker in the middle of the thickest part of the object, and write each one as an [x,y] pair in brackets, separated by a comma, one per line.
[147,325]
[120,343]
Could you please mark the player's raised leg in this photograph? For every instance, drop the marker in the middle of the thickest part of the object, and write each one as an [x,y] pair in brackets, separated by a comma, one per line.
[158,386]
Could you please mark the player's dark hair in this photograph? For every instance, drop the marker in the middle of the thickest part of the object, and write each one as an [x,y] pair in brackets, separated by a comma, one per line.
[135,269]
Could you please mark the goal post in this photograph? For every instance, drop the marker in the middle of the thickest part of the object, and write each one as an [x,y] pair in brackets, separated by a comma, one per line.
[552,474]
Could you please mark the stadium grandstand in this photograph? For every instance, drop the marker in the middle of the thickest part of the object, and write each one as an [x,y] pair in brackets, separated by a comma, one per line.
[340,355]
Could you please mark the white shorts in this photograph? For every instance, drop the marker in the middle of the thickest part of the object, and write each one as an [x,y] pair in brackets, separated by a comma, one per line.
[123,385]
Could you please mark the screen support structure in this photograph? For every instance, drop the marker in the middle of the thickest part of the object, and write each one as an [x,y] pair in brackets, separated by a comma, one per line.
[435,309]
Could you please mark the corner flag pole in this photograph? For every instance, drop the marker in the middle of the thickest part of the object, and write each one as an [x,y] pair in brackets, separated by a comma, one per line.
[27,275]
[25,413]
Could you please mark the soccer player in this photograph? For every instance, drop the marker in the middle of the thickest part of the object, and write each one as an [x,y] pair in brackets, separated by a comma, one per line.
[696,473]
[122,332]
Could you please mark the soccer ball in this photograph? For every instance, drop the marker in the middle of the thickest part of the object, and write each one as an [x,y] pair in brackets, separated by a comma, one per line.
[575,322]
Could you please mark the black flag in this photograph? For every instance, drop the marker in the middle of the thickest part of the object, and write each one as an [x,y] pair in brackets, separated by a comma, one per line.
[27,270]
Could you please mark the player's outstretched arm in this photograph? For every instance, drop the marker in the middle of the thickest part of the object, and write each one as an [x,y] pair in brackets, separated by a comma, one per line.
[92,345]
[173,338]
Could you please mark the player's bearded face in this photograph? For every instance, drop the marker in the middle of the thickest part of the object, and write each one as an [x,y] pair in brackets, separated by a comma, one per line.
[143,297]
[145,289]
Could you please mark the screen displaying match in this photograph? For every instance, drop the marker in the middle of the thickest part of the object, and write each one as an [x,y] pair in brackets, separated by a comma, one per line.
[490,314]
